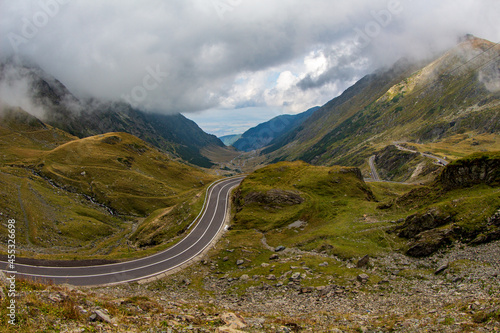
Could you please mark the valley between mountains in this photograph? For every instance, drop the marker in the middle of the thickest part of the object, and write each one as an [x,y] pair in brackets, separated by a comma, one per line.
[378,211]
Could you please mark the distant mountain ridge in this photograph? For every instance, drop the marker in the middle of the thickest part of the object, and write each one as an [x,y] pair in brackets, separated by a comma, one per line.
[172,133]
[264,133]
[228,140]
[453,94]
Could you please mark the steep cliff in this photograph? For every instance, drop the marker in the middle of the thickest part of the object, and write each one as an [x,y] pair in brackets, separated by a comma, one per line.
[481,168]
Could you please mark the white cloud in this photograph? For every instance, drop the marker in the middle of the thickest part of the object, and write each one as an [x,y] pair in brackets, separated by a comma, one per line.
[289,54]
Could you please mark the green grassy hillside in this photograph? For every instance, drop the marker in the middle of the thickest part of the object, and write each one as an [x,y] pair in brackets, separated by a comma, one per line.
[121,172]
[337,210]
[327,218]
[86,197]
[332,209]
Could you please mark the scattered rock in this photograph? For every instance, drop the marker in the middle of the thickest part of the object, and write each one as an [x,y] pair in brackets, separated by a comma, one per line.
[411,302]
[274,257]
[101,316]
[245,277]
[363,278]
[306,290]
[226,329]
[363,262]
[56,298]
[280,248]
[233,320]
[323,264]
[240,262]
[297,224]
[441,269]
[3,279]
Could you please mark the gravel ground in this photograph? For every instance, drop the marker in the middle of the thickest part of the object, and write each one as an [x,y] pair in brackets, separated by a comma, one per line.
[456,290]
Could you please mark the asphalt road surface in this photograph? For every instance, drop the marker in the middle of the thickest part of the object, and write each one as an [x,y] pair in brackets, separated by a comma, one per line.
[438,159]
[373,169]
[202,235]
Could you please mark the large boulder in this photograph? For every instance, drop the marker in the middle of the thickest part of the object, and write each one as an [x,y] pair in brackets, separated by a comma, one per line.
[429,242]
[416,223]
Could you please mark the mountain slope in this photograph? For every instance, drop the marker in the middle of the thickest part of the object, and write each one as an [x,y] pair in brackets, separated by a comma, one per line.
[455,94]
[85,197]
[262,134]
[172,133]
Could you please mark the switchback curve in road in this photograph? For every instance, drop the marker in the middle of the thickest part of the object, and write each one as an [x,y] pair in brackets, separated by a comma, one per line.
[209,225]
[439,160]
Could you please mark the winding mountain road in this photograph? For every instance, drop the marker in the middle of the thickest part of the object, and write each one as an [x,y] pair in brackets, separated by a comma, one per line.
[373,169]
[439,160]
[210,223]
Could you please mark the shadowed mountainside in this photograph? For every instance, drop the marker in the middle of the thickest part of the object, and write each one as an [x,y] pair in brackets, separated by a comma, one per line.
[458,93]
[58,107]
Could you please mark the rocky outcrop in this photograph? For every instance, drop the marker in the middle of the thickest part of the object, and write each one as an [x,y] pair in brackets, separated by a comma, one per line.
[416,223]
[392,163]
[430,231]
[490,232]
[423,231]
[476,169]
[428,242]
[274,197]
[355,171]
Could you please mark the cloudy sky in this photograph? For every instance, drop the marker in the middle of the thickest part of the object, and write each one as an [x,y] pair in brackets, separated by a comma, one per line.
[230,64]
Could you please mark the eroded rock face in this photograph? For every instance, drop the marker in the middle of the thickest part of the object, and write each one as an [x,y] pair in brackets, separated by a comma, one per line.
[416,223]
[274,197]
[355,171]
[429,242]
[430,231]
[469,172]
[391,163]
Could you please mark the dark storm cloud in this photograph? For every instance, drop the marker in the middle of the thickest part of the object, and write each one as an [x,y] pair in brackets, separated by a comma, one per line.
[181,56]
